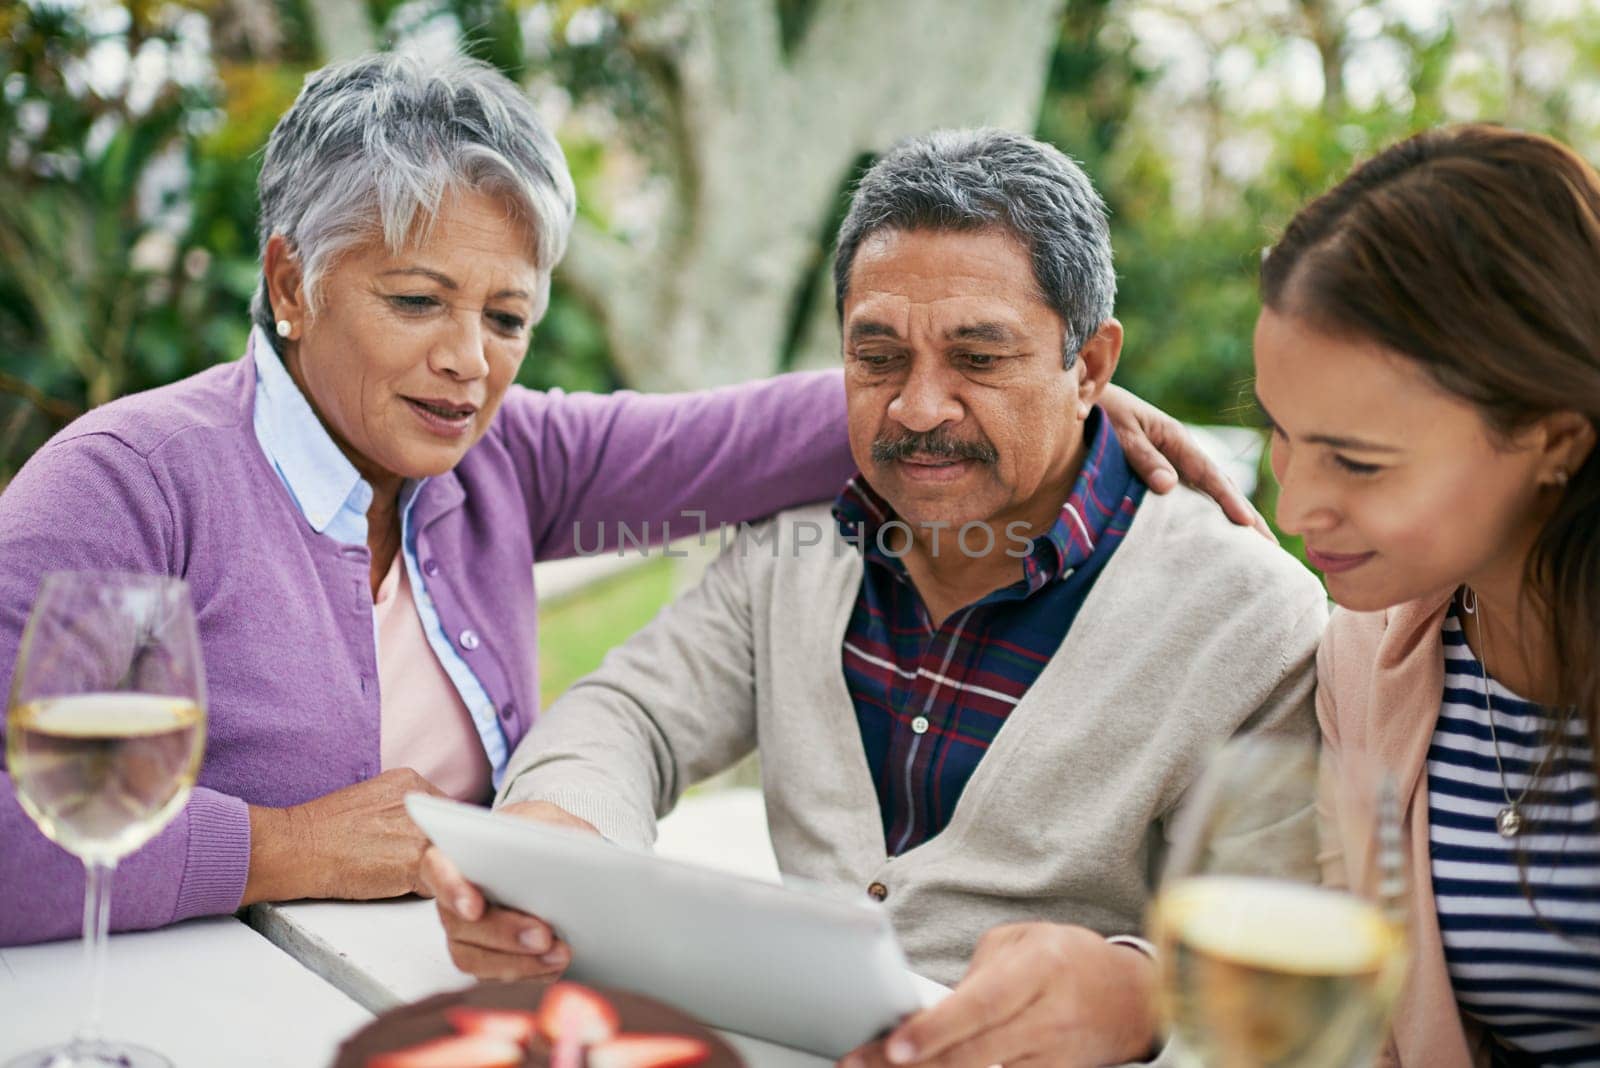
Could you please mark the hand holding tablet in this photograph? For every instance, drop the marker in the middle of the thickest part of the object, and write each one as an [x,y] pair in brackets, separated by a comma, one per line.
[491,941]
[808,971]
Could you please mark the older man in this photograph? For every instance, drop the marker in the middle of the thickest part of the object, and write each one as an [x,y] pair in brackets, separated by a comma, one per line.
[983,680]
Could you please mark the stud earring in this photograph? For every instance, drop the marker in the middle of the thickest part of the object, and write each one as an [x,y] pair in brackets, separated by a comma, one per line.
[284,328]
[1561,477]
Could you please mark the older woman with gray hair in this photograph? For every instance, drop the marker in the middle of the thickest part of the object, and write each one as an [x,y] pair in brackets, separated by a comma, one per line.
[358,502]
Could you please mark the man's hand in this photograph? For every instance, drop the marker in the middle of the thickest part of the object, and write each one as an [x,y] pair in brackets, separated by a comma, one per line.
[491,942]
[354,844]
[1036,995]
[1155,444]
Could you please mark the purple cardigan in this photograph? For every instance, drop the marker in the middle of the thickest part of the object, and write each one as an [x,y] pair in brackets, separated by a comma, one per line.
[173,481]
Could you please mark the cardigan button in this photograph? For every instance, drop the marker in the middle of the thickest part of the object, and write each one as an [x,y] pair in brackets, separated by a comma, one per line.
[877,891]
[468,639]
[508,710]
[430,567]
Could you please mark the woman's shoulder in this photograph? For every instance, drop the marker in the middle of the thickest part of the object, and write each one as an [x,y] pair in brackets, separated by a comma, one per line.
[1354,634]
[1402,643]
[144,453]
[216,399]
[108,489]
[1394,634]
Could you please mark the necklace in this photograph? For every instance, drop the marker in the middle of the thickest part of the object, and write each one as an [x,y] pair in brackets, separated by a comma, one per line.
[1509,821]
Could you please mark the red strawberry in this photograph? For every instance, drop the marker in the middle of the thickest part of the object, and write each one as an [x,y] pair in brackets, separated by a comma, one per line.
[512,1024]
[456,1051]
[648,1051]
[567,1053]
[572,1013]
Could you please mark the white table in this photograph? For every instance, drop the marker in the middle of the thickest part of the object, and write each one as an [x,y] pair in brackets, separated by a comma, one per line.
[724,829]
[205,993]
[387,953]
[212,992]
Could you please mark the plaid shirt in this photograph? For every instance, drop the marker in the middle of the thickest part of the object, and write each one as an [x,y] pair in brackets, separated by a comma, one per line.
[929,701]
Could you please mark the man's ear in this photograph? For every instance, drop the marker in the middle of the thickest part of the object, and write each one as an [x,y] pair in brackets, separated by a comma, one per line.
[281,269]
[1098,358]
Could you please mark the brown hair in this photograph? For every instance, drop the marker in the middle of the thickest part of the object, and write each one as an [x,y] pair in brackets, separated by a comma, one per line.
[1475,251]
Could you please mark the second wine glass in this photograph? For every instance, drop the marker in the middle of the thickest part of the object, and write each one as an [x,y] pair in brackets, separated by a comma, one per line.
[1271,958]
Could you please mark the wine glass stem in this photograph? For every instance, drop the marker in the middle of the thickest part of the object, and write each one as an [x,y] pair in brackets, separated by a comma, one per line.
[96,927]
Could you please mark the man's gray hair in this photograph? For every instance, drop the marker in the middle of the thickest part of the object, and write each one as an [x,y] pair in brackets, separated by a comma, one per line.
[371,147]
[994,179]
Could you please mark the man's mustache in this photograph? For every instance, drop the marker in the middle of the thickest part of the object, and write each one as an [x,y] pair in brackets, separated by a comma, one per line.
[933,444]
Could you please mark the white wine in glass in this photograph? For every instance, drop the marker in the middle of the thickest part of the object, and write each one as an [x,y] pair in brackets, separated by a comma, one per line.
[1262,966]
[104,735]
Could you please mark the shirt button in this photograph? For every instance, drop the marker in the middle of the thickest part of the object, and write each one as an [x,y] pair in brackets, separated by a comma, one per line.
[430,567]
[877,891]
[468,639]
[919,725]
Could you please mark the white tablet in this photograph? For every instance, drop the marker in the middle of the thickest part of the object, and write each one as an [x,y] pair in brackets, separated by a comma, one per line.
[774,962]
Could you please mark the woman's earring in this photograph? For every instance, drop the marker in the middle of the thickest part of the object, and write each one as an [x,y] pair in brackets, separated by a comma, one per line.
[284,328]
[1559,479]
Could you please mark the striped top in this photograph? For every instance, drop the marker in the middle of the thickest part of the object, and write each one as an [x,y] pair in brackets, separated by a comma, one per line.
[930,699]
[1530,979]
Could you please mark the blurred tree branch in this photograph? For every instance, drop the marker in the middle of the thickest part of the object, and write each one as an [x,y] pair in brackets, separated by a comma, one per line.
[53,408]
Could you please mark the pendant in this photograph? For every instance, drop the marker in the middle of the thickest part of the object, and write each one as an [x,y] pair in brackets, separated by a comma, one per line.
[1508,822]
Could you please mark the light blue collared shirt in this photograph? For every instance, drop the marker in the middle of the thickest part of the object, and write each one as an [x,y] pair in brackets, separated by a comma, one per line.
[334,499]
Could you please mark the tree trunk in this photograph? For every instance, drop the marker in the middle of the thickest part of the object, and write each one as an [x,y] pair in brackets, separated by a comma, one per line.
[343,29]
[768,140]
[1517,105]
[1323,25]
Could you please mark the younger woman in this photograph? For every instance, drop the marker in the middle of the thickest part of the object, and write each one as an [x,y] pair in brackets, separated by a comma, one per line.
[1429,358]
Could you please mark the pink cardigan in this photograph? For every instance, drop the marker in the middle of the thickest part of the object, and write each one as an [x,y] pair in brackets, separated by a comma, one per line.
[1380,682]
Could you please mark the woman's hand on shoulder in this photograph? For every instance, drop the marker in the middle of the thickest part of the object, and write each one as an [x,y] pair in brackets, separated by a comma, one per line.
[355,844]
[1161,452]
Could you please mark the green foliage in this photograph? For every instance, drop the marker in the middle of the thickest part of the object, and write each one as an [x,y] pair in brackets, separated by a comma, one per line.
[1187,275]
[105,286]
[575,634]
[569,349]
[128,247]
[127,227]
[1188,309]
[490,32]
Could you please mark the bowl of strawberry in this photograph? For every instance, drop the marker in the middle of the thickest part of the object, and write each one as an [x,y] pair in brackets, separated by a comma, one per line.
[535,1024]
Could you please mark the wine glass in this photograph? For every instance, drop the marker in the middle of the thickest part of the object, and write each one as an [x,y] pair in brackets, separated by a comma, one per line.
[1263,965]
[104,734]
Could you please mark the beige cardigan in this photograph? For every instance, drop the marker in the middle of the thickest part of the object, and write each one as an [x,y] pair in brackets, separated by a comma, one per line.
[1196,629]
[1380,681]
